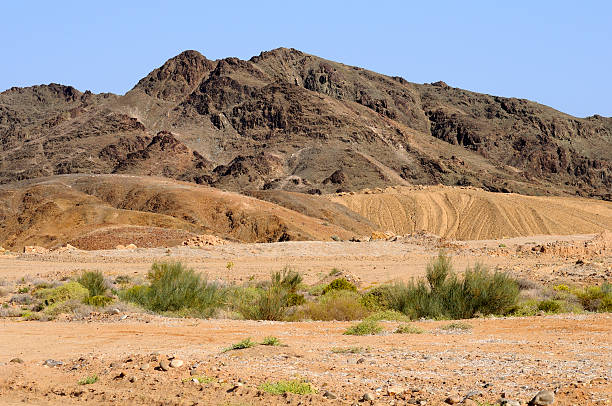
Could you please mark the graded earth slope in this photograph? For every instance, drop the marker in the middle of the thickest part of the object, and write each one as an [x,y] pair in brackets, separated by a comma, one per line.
[474,214]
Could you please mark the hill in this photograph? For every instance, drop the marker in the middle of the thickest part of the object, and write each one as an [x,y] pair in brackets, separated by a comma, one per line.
[286,120]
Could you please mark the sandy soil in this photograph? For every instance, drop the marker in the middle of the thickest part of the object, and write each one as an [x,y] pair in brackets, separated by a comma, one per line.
[570,354]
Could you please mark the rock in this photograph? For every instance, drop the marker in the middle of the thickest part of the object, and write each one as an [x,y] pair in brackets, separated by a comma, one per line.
[176,363]
[193,372]
[115,365]
[543,398]
[367,397]
[395,390]
[361,360]
[453,400]
[234,387]
[508,402]
[16,361]
[195,380]
[469,402]
[125,316]
[115,311]
[120,247]
[164,365]
[32,249]
[144,366]
[52,363]
[131,247]
[329,395]
[133,379]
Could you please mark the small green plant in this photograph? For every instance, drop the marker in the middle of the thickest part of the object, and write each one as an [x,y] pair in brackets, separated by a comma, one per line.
[339,284]
[246,343]
[335,305]
[98,301]
[23,289]
[366,327]
[458,325]
[89,380]
[203,379]
[408,329]
[67,291]
[596,298]
[378,298]
[502,245]
[334,272]
[296,386]
[94,282]
[229,265]
[272,341]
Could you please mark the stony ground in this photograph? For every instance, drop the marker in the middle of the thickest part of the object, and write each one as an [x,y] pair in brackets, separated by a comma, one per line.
[517,357]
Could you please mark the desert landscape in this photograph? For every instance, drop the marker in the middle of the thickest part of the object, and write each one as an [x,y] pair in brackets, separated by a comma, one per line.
[292,230]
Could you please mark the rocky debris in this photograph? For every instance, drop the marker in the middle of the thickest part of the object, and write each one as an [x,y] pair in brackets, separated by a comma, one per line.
[368,397]
[33,249]
[204,240]
[144,366]
[453,400]
[394,391]
[329,395]
[176,363]
[164,365]
[543,398]
[52,363]
[16,361]
[508,402]
[66,248]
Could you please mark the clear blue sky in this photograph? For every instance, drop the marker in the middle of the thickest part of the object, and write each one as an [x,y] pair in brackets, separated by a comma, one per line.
[555,52]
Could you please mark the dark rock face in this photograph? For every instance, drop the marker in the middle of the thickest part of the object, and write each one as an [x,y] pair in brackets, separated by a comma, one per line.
[288,120]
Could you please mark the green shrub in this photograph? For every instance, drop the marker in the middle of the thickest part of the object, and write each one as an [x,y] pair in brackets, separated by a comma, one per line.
[287,279]
[339,284]
[378,298]
[408,329]
[295,299]
[246,343]
[366,327]
[173,288]
[444,295]
[271,341]
[348,350]
[335,305]
[72,306]
[269,303]
[98,301]
[550,306]
[596,298]
[524,308]
[316,290]
[62,293]
[281,387]
[94,282]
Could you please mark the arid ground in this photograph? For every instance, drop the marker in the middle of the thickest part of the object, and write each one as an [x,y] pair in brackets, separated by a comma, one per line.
[515,357]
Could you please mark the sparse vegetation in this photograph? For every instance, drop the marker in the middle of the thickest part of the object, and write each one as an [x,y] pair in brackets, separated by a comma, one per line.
[408,329]
[296,386]
[446,296]
[388,315]
[335,305]
[94,282]
[89,380]
[458,325]
[271,341]
[348,350]
[246,343]
[339,284]
[366,327]
[173,288]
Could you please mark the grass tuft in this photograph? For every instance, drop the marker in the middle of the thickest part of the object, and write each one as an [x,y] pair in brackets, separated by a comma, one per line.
[296,386]
[408,329]
[271,341]
[89,380]
[366,327]
[246,343]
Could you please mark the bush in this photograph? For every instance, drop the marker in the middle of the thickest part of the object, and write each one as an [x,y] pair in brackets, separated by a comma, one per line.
[366,327]
[444,295]
[378,298]
[98,301]
[67,291]
[408,329]
[596,298]
[336,305]
[173,288]
[457,326]
[287,279]
[281,387]
[339,284]
[94,282]
[89,380]
[550,306]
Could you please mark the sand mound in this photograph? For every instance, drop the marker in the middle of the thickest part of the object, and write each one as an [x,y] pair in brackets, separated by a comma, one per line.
[472,214]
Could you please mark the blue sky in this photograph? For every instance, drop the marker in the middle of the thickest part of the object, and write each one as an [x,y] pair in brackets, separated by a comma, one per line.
[558,53]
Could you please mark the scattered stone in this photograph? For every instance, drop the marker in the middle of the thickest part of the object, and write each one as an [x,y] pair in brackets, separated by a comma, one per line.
[367,397]
[116,311]
[329,395]
[193,372]
[16,361]
[361,360]
[115,365]
[125,316]
[52,363]
[469,402]
[120,376]
[195,380]
[131,247]
[144,366]
[234,387]
[395,391]
[164,365]
[543,398]
[453,400]
[176,363]
[508,402]
[133,379]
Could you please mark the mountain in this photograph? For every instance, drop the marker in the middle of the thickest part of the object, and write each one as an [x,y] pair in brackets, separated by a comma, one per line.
[286,120]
